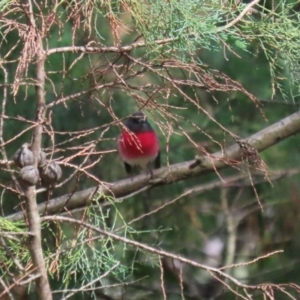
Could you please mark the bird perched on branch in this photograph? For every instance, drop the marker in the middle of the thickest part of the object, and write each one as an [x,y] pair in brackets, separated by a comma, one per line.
[138,144]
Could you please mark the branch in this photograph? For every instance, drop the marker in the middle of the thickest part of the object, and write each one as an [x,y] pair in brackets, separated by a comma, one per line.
[128,48]
[246,10]
[162,253]
[35,240]
[177,172]
[112,49]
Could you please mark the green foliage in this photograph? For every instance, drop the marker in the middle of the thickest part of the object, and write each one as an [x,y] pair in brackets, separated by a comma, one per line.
[277,36]
[85,256]
[4,4]
[13,235]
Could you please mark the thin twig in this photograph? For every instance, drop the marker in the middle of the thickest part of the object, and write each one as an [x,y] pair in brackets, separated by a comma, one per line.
[246,10]
[83,288]
[162,282]
[150,249]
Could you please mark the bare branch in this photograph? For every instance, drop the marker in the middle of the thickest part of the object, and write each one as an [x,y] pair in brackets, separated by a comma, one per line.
[246,10]
[35,241]
[112,49]
[159,252]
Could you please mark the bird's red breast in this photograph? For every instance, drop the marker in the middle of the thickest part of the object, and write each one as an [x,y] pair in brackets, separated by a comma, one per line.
[138,145]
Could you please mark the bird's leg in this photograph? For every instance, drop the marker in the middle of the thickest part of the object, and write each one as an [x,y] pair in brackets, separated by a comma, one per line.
[131,177]
[131,170]
[150,170]
[151,173]
[161,178]
[199,162]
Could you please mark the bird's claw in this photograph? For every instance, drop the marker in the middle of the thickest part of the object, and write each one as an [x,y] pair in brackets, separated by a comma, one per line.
[199,162]
[161,178]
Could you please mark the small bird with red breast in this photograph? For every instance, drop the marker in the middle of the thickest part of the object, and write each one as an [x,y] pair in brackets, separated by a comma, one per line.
[138,144]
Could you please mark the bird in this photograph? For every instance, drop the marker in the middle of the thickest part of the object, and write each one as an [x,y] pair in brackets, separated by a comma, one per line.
[138,144]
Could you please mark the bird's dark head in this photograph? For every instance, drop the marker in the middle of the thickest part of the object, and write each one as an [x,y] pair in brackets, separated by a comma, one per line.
[137,122]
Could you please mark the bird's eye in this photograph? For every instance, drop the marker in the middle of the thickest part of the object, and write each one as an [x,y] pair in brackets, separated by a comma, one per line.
[136,120]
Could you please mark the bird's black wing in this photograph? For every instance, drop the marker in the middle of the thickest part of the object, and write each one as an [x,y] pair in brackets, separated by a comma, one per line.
[157,161]
[128,168]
